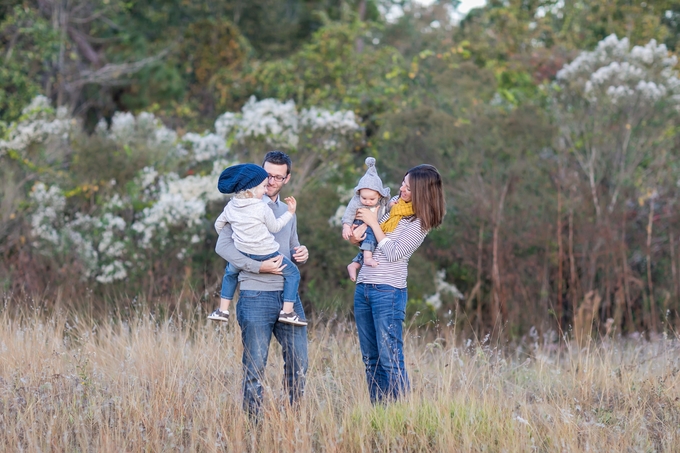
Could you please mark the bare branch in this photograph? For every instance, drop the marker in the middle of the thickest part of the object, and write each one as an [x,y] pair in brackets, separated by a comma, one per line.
[84,46]
[110,74]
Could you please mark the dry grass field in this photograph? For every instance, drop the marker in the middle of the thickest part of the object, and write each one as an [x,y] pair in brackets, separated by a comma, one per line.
[140,379]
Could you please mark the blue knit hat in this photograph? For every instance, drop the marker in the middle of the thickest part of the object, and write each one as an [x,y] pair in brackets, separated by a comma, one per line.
[241,177]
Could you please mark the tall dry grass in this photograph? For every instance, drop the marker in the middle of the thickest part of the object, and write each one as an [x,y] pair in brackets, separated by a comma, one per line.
[140,380]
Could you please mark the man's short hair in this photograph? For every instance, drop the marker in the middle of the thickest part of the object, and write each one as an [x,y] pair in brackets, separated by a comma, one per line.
[278,158]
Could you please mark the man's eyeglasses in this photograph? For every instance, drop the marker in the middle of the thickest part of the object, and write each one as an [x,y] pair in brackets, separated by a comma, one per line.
[277,178]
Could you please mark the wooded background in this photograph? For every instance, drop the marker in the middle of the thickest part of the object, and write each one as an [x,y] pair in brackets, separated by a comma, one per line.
[562,187]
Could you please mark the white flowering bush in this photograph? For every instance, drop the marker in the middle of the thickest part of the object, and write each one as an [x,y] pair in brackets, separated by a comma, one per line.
[615,108]
[442,287]
[39,123]
[113,227]
[318,139]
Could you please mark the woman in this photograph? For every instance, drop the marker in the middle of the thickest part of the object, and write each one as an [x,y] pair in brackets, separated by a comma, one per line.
[380,296]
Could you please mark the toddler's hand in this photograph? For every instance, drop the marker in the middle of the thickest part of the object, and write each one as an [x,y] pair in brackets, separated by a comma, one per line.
[292,204]
[392,203]
[346,231]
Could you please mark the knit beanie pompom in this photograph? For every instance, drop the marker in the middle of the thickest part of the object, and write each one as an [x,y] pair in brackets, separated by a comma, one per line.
[241,177]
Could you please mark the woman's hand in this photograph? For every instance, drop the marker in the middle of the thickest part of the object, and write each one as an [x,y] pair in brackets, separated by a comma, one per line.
[369,218]
[358,234]
[272,266]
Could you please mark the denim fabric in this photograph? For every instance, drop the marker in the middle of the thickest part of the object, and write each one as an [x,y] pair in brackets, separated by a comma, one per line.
[369,242]
[291,278]
[257,313]
[379,311]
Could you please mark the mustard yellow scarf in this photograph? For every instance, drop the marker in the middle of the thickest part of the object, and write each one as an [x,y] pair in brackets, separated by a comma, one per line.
[399,211]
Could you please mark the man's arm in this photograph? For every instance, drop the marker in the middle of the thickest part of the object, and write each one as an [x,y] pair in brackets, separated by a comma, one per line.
[226,249]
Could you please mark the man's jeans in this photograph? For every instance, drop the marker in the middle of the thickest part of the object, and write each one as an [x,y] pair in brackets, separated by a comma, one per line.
[291,278]
[257,313]
[379,311]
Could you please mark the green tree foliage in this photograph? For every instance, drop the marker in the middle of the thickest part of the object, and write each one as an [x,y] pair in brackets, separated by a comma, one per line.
[29,47]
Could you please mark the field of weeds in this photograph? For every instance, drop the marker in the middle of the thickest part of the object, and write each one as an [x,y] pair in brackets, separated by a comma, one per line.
[144,379]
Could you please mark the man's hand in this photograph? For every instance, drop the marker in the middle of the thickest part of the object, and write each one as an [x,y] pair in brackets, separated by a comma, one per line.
[272,266]
[358,234]
[301,254]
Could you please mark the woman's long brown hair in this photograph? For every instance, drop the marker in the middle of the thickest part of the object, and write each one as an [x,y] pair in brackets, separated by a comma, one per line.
[427,195]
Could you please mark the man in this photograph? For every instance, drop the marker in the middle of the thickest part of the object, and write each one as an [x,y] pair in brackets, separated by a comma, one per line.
[261,298]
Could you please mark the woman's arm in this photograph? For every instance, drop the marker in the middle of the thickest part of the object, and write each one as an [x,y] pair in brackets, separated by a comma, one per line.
[403,245]
[408,241]
[371,220]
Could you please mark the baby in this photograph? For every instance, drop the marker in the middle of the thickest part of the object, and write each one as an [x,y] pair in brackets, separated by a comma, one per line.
[371,194]
[253,223]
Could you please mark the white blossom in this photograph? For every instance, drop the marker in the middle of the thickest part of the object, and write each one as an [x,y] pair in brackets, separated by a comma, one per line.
[112,272]
[49,207]
[342,122]
[614,72]
[38,124]
[280,124]
[207,146]
[127,129]
[336,219]
[441,287]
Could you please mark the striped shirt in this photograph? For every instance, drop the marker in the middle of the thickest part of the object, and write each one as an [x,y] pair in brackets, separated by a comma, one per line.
[393,254]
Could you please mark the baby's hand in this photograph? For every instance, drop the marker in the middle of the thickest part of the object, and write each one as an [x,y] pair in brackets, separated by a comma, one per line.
[393,202]
[292,204]
[346,231]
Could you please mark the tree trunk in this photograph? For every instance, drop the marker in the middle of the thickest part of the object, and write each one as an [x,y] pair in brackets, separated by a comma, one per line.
[650,284]
[499,310]
[560,260]
[359,43]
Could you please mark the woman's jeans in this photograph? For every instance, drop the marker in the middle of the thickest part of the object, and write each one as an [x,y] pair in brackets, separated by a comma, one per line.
[291,278]
[257,313]
[379,311]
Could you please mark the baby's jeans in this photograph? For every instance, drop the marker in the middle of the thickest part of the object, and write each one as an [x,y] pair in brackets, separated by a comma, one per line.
[368,244]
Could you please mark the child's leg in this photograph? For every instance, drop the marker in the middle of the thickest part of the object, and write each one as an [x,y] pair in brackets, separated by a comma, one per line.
[229,282]
[291,282]
[368,259]
[354,266]
[368,245]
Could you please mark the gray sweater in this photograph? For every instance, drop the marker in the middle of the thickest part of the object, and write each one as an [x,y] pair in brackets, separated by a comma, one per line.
[249,277]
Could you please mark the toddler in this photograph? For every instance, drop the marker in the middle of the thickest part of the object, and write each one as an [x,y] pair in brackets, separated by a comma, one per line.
[371,194]
[253,223]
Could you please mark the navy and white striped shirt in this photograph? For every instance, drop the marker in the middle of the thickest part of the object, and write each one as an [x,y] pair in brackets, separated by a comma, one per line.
[393,254]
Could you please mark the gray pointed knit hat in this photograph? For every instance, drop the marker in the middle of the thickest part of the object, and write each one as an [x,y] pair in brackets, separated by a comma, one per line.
[371,180]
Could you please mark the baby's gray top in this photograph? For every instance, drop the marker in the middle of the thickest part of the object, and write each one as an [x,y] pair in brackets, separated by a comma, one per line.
[355,203]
